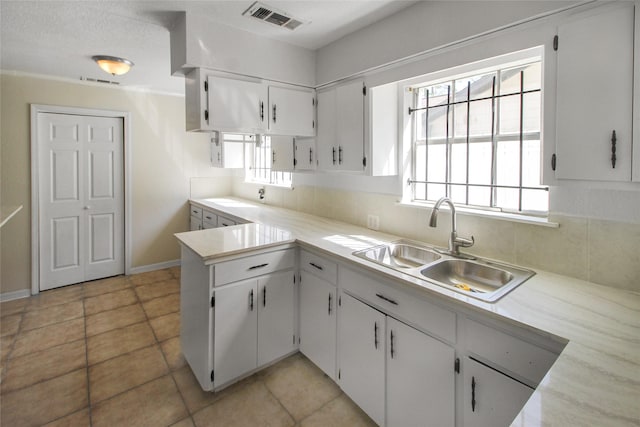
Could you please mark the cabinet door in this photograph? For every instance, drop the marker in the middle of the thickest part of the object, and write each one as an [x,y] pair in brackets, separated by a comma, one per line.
[362,356]
[349,112]
[195,223]
[291,111]
[420,378]
[282,153]
[595,87]
[236,330]
[216,154]
[305,154]
[318,322]
[276,305]
[491,399]
[237,105]
[326,142]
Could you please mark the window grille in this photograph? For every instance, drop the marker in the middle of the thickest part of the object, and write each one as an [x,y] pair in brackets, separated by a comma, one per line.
[258,166]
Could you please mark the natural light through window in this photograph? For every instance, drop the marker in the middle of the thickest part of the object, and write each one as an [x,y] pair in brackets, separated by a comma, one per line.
[259,156]
[477,140]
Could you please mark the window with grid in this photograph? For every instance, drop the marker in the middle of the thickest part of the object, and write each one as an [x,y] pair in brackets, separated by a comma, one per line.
[476,139]
[258,164]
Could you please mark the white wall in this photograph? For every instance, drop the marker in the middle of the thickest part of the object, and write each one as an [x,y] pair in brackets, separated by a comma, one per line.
[169,166]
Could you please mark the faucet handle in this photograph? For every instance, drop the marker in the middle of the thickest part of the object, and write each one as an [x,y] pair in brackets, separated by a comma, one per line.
[464,242]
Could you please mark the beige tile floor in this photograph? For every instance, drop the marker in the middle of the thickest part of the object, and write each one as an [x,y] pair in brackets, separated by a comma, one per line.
[107,353]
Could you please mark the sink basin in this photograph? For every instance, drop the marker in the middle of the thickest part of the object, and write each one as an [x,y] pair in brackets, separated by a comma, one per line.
[399,255]
[468,275]
[474,277]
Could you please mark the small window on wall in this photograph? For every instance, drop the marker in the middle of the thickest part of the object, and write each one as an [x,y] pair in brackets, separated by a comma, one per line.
[476,139]
[258,164]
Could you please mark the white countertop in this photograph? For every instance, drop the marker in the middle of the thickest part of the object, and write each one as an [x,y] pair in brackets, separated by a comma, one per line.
[594,382]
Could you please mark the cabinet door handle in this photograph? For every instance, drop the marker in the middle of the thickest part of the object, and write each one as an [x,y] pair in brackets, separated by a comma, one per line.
[334,155]
[261,111]
[613,149]
[319,267]
[473,394]
[340,155]
[257,266]
[392,349]
[264,296]
[273,157]
[386,299]
[274,113]
[251,300]
[310,155]
[375,335]
[329,310]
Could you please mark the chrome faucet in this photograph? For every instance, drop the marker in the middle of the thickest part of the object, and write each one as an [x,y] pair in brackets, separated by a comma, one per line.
[455,242]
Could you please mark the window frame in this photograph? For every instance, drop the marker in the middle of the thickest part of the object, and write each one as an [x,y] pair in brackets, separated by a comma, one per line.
[270,177]
[451,75]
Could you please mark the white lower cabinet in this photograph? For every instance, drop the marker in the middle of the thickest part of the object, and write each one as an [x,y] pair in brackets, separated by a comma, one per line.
[253,324]
[418,381]
[420,378]
[491,399]
[318,322]
[361,336]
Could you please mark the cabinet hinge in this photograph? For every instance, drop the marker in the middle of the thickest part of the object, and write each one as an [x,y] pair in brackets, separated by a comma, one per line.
[213,301]
[456,365]
[295,162]
[364,162]
[364,90]
[313,102]
[294,339]
[313,124]
[206,115]
[212,375]
[294,278]
[206,86]
[555,42]
[298,340]
[339,372]
[340,300]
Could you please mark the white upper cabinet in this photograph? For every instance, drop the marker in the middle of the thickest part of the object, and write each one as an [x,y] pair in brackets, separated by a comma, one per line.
[595,95]
[305,153]
[291,111]
[341,127]
[282,158]
[237,105]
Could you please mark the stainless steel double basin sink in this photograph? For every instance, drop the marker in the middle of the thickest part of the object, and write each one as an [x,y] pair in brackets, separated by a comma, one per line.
[472,276]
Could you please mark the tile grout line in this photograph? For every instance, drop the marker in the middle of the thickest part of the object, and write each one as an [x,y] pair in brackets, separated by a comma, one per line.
[164,356]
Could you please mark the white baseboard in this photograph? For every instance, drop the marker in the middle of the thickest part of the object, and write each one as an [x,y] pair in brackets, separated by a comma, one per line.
[152,267]
[8,296]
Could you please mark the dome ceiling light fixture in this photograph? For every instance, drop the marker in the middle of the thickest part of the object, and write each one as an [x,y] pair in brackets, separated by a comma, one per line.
[113,65]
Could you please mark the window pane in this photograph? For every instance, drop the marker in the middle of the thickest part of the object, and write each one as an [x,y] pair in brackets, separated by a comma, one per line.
[460,120]
[510,78]
[438,123]
[531,164]
[510,114]
[479,196]
[436,191]
[481,86]
[531,112]
[508,163]
[421,130]
[507,198]
[480,163]
[535,200]
[481,118]
[437,163]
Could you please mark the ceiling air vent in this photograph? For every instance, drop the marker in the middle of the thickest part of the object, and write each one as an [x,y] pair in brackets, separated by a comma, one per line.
[269,14]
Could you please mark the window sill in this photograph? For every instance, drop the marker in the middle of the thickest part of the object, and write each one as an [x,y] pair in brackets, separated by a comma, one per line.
[503,216]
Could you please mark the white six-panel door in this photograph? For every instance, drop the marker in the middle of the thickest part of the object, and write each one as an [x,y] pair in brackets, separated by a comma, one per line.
[81,197]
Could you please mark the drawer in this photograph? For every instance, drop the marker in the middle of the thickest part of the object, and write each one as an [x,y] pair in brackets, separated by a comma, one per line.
[319,266]
[503,350]
[210,217]
[223,221]
[254,265]
[429,317]
[196,211]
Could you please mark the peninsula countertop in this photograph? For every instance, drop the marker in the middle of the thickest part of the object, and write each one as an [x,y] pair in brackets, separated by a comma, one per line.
[595,380]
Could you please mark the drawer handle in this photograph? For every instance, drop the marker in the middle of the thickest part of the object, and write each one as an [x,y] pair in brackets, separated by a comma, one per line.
[258,266]
[208,217]
[319,267]
[194,211]
[386,299]
[473,394]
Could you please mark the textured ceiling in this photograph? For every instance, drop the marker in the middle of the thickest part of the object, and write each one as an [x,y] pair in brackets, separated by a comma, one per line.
[58,38]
